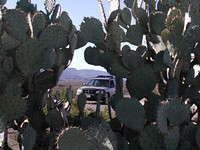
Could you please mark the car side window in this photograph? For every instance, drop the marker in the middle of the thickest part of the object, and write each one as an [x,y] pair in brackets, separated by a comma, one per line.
[112,84]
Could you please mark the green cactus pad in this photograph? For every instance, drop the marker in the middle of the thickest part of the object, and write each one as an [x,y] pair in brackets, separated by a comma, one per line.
[16,24]
[102,138]
[8,65]
[151,138]
[49,5]
[55,119]
[28,138]
[13,86]
[91,26]
[135,35]
[162,61]
[115,99]
[118,69]
[30,57]
[8,42]
[69,94]
[65,21]
[49,59]
[177,113]
[142,82]
[87,122]
[126,16]
[171,140]
[141,17]
[157,22]
[92,55]
[54,36]
[2,132]
[38,23]
[73,139]
[187,139]
[197,137]
[162,119]
[3,80]
[131,113]
[14,111]
[81,101]
[151,107]
[131,59]
[165,34]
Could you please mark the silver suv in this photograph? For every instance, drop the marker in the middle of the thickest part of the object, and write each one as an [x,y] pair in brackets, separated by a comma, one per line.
[100,84]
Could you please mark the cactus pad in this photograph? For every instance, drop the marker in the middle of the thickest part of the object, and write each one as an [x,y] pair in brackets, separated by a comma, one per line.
[187,139]
[151,107]
[131,113]
[135,34]
[101,138]
[28,138]
[49,5]
[91,26]
[73,139]
[8,42]
[14,111]
[197,137]
[151,138]
[126,16]
[142,82]
[55,119]
[131,59]
[81,101]
[16,23]
[171,140]
[65,21]
[30,57]
[177,113]
[38,23]
[157,22]
[54,36]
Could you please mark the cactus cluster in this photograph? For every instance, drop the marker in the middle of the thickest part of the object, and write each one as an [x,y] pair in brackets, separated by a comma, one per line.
[163,109]
[158,67]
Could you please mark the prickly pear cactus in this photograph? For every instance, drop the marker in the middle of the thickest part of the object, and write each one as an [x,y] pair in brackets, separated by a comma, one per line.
[35,48]
[153,53]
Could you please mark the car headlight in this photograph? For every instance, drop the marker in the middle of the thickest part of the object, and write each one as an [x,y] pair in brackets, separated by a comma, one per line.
[79,91]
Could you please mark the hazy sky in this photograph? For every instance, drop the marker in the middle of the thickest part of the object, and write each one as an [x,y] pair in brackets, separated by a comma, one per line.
[77,10]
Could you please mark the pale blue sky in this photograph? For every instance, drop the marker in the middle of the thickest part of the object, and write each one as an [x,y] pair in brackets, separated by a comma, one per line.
[77,10]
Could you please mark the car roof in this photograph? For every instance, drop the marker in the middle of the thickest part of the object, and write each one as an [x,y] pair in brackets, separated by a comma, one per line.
[104,77]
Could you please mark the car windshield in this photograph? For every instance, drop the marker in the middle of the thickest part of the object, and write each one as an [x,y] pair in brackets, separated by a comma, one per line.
[98,82]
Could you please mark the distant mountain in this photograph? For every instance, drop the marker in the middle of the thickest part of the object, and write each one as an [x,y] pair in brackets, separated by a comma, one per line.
[72,74]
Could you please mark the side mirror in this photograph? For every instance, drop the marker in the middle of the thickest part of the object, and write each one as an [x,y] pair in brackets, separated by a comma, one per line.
[84,84]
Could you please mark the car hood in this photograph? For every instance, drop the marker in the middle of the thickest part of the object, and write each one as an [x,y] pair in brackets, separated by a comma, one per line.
[93,87]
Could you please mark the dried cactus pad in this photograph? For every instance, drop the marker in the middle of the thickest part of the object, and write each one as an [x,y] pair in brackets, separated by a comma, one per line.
[131,113]
[73,139]
[29,57]
[12,107]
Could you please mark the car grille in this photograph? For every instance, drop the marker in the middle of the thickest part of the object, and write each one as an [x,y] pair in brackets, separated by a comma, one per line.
[88,91]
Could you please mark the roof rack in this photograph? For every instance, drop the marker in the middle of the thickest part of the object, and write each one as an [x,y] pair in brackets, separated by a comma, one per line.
[105,76]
